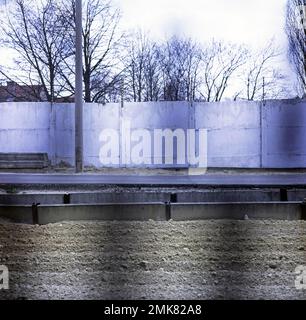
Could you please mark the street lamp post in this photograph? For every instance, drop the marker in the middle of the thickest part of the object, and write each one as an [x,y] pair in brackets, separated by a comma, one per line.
[78,89]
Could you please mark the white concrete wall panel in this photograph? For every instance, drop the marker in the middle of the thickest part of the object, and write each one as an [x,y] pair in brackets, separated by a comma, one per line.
[240,134]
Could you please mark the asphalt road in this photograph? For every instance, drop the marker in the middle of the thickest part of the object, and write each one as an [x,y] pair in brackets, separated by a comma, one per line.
[245,180]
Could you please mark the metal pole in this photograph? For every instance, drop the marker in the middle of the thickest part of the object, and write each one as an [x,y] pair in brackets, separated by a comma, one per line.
[78,88]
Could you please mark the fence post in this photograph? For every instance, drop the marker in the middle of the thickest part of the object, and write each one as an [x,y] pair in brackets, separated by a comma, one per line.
[52,138]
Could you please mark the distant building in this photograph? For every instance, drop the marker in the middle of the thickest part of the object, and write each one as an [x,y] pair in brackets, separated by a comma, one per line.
[14,92]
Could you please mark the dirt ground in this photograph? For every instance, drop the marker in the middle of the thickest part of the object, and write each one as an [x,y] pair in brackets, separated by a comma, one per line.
[154,260]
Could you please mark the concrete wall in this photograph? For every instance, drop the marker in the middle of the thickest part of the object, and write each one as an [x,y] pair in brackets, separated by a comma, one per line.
[24,127]
[240,134]
[233,133]
[284,134]
[150,116]
[96,118]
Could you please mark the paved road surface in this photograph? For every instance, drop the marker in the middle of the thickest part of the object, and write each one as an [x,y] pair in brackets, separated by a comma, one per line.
[253,180]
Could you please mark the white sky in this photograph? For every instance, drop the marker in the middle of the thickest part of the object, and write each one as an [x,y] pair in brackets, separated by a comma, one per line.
[253,22]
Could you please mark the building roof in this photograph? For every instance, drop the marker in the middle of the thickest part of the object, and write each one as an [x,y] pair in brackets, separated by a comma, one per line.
[14,92]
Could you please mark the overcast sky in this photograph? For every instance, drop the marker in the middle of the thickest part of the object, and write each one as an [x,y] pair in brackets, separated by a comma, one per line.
[248,21]
[253,22]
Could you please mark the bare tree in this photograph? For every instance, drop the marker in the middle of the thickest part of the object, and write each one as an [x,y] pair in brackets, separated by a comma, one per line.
[152,73]
[34,31]
[101,39]
[296,31]
[141,68]
[43,35]
[180,60]
[134,63]
[179,69]
[220,61]
[261,78]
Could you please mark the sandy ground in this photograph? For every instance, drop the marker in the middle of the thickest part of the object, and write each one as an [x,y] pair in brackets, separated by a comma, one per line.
[154,260]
